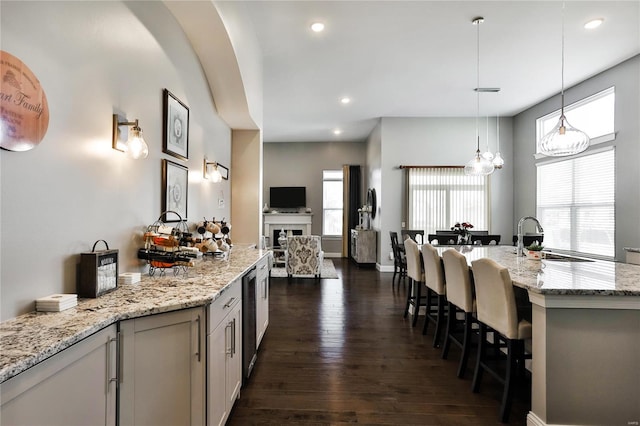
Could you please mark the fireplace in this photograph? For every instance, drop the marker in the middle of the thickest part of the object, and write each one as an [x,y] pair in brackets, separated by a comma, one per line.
[297,223]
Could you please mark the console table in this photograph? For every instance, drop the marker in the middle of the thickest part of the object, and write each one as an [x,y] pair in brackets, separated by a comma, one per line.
[288,221]
[363,246]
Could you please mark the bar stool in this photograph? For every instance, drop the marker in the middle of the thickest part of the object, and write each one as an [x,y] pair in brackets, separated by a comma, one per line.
[496,305]
[434,280]
[416,279]
[460,299]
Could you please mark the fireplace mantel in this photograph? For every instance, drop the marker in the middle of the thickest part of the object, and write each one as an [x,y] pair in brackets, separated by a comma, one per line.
[287,221]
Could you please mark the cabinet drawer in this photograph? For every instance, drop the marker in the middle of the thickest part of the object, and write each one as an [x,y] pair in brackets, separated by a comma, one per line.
[224,303]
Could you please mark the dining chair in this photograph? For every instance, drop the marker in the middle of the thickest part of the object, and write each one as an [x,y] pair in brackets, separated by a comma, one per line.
[416,279]
[497,312]
[460,298]
[399,258]
[415,234]
[435,283]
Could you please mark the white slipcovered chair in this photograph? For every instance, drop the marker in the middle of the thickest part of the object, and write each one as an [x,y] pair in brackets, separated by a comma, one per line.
[304,255]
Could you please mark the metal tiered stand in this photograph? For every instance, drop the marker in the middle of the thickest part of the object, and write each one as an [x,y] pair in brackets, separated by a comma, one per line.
[165,246]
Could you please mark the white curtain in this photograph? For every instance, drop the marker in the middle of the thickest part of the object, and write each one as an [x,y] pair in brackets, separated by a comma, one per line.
[438,197]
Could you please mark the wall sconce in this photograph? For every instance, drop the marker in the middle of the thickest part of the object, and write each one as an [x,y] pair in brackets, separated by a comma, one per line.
[214,171]
[135,147]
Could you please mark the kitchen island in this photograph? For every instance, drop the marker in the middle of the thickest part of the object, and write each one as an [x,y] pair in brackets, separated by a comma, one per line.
[586,336]
[31,338]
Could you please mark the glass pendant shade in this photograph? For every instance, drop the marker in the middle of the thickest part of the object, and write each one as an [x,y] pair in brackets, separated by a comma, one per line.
[487,155]
[563,140]
[136,147]
[478,166]
[498,161]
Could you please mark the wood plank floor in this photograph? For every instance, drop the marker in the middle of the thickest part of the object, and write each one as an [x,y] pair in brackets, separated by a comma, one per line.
[338,351]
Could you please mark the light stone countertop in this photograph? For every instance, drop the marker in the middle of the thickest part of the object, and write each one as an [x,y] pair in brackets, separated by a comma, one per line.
[557,277]
[31,338]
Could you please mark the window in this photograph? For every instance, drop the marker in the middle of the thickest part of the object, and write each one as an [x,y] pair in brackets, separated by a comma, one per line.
[593,115]
[332,202]
[576,203]
[440,197]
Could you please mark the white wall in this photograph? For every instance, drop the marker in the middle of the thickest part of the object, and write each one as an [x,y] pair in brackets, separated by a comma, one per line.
[627,145]
[94,59]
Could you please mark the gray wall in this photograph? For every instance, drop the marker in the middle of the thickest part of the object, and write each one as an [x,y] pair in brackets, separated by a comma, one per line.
[627,145]
[94,59]
[301,164]
[436,142]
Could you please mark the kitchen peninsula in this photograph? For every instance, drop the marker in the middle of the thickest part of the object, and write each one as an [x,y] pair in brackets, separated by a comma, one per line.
[32,340]
[586,336]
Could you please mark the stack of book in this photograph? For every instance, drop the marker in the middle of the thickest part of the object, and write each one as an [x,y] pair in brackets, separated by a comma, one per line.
[56,302]
[129,278]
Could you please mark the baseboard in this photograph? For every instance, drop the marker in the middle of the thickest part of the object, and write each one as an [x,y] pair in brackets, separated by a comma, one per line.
[533,420]
[384,268]
[332,255]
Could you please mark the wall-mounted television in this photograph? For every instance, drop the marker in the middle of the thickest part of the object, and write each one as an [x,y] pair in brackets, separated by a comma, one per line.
[287,197]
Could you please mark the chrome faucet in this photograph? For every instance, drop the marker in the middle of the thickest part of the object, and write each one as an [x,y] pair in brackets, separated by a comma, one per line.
[520,249]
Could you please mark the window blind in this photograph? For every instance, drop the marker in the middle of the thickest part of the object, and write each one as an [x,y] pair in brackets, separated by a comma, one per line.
[576,203]
[440,197]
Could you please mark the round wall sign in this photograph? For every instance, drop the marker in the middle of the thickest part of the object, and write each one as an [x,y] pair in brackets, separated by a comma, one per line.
[24,112]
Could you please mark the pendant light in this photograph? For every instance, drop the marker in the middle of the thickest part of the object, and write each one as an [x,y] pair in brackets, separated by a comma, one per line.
[487,155]
[498,161]
[563,139]
[478,165]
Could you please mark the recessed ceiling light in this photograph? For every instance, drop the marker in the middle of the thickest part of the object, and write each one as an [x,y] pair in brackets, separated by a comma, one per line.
[345,100]
[317,27]
[594,23]
[337,132]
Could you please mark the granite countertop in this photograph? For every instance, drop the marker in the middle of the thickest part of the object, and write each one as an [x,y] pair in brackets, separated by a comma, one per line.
[31,338]
[561,277]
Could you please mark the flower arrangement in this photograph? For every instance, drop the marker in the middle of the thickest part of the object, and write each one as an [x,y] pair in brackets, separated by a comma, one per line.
[463,230]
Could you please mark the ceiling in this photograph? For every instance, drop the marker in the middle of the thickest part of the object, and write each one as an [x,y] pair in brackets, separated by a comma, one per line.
[419,59]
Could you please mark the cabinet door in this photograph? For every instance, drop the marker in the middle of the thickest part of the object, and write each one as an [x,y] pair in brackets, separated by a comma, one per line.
[163,369]
[262,301]
[73,387]
[225,366]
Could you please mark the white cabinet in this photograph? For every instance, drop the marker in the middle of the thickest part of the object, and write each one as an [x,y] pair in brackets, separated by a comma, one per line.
[262,299]
[74,387]
[363,245]
[224,352]
[163,369]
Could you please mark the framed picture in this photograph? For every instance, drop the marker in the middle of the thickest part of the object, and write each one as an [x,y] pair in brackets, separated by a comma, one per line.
[175,186]
[175,132]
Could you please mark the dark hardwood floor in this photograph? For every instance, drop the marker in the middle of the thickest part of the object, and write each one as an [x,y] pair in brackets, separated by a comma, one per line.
[338,351]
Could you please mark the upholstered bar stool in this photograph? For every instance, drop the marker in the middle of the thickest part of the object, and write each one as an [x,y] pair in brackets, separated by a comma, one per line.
[416,279]
[434,280]
[496,306]
[460,299]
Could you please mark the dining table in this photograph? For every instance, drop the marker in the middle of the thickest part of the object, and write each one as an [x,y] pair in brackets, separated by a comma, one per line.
[586,335]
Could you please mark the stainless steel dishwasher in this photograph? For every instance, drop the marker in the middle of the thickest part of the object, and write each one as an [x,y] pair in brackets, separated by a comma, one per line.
[249,352]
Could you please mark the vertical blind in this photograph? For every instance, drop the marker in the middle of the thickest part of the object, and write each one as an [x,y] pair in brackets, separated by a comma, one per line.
[576,203]
[440,197]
